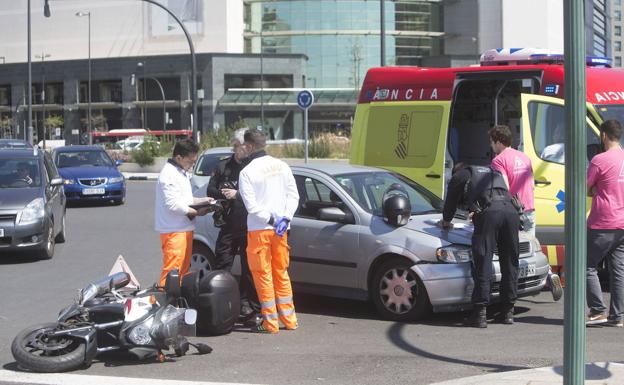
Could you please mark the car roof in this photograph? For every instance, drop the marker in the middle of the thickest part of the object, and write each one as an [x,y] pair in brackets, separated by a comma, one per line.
[20,152]
[78,148]
[14,143]
[218,150]
[332,167]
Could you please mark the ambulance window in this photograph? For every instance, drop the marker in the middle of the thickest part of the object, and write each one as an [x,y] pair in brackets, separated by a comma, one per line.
[548,131]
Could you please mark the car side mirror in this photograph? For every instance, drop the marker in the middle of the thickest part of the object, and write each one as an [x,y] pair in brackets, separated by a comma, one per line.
[56,182]
[334,214]
[593,150]
[118,162]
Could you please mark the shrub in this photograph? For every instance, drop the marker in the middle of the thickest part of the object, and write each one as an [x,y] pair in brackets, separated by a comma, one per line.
[145,154]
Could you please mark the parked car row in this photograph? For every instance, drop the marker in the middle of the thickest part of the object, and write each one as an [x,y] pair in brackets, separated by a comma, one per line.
[341,245]
[36,186]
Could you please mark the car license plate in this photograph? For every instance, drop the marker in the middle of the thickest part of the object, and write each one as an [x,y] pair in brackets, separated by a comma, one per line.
[526,270]
[93,191]
[1,232]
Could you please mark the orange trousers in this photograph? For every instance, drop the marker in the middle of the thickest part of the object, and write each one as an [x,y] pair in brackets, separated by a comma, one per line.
[268,258]
[176,249]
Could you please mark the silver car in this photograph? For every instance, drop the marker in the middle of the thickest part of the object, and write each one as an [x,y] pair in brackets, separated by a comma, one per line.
[342,247]
[205,167]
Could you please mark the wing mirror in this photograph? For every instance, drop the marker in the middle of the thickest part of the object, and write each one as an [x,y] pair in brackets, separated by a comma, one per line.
[56,182]
[334,214]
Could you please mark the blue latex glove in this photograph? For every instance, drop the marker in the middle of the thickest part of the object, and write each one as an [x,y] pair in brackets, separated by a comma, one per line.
[281,225]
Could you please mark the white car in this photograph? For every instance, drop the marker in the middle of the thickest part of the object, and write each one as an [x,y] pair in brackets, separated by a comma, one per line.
[342,247]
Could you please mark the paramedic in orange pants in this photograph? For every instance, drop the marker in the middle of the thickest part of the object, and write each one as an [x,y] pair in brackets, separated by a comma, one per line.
[173,218]
[267,187]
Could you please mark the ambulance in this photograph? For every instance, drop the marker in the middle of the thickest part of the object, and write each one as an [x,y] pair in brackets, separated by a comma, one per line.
[421,121]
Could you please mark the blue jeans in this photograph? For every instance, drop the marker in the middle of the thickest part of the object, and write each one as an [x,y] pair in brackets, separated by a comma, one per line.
[607,244]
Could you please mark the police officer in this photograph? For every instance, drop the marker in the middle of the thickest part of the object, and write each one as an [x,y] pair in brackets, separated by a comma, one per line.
[232,238]
[496,223]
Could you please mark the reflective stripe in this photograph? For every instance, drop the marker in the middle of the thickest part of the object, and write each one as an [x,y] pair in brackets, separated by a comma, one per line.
[286,312]
[267,304]
[269,316]
[284,300]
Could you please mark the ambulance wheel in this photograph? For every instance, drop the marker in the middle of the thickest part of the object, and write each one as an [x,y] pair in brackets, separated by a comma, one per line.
[202,258]
[397,292]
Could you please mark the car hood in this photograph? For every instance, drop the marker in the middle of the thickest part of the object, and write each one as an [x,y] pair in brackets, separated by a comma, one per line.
[17,198]
[89,172]
[461,233]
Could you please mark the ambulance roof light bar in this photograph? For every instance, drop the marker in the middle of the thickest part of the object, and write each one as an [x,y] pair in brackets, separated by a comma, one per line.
[515,56]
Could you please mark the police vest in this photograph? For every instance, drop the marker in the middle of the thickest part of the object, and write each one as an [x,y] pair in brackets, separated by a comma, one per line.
[479,190]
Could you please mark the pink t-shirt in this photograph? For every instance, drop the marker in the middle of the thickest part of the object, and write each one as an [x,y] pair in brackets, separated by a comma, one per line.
[606,175]
[517,167]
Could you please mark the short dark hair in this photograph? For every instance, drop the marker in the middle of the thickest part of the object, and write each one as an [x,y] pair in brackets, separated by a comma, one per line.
[501,133]
[185,147]
[255,138]
[612,129]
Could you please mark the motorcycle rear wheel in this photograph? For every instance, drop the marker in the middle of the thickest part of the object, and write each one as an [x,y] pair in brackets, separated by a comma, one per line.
[34,350]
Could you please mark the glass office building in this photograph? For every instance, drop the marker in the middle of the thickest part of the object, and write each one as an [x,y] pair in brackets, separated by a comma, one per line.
[342,37]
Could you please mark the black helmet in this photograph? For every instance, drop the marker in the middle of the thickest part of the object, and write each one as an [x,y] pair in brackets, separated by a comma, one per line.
[396,205]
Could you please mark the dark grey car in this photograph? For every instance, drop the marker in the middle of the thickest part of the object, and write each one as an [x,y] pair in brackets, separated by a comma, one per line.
[32,203]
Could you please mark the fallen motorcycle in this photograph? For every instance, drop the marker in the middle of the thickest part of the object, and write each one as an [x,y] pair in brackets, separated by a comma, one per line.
[105,319]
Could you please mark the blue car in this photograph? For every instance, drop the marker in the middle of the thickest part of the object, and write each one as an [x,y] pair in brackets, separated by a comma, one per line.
[90,175]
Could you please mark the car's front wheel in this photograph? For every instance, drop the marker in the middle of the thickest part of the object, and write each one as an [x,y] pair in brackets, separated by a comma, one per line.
[48,248]
[397,292]
[202,258]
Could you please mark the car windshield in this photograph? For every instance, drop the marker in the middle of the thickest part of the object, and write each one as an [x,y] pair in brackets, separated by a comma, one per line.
[612,111]
[82,158]
[368,188]
[207,164]
[14,144]
[19,173]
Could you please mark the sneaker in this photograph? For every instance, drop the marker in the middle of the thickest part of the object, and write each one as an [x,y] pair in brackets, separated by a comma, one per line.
[596,318]
[618,323]
[555,287]
[255,320]
[261,329]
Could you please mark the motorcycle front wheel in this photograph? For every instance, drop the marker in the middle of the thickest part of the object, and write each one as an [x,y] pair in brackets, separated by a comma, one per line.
[34,349]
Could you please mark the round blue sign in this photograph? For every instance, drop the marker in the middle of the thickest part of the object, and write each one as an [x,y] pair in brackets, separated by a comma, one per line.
[305,99]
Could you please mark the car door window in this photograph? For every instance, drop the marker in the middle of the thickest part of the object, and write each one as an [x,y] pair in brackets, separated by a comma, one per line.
[315,195]
[548,131]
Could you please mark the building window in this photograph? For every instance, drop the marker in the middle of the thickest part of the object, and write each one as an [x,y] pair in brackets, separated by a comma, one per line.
[617,46]
[618,61]
[600,45]
[5,95]
[617,15]
[618,30]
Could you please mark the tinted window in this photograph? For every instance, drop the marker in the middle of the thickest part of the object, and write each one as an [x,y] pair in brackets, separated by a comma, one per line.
[19,173]
[315,195]
[82,158]
[207,164]
[367,189]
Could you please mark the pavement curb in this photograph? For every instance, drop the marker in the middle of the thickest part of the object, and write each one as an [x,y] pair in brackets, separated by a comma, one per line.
[137,176]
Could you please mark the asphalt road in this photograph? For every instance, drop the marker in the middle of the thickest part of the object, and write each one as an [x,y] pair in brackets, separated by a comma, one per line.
[338,341]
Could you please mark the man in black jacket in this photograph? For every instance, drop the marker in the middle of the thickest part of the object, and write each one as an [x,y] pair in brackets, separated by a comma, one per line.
[484,193]
[232,238]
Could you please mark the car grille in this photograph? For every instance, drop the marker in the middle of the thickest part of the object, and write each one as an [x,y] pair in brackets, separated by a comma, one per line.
[7,217]
[525,248]
[92,182]
[523,283]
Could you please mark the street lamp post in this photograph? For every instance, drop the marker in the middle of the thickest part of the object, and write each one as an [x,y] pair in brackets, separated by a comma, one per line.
[382,32]
[46,12]
[261,78]
[28,130]
[43,101]
[89,123]
[143,107]
[162,93]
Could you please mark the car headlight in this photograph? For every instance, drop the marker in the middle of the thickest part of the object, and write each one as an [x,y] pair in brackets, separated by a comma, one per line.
[116,179]
[33,211]
[69,181]
[454,254]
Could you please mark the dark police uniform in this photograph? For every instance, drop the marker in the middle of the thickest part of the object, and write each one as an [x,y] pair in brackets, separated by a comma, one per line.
[232,238]
[483,191]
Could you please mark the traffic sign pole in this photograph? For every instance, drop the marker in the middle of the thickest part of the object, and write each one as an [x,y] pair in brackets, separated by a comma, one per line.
[305,99]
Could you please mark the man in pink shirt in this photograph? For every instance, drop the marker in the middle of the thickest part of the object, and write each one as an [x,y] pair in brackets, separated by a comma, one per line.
[518,174]
[605,235]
